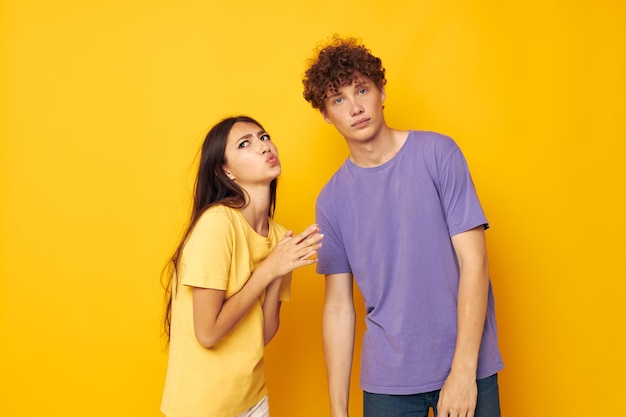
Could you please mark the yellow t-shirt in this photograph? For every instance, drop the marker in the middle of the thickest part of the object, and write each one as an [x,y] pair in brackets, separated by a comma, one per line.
[221,253]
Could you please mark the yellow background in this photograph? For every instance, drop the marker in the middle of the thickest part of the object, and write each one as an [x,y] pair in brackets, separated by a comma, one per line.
[104,106]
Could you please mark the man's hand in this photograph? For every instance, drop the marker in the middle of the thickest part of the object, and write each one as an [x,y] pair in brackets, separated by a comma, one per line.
[458,395]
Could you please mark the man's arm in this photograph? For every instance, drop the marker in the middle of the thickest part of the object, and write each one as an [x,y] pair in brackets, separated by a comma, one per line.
[459,392]
[338,323]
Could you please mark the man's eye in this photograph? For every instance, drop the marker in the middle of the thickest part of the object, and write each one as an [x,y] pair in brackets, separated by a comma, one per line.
[339,100]
[362,91]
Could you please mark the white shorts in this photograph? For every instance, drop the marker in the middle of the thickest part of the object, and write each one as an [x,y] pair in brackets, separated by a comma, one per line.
[261,409]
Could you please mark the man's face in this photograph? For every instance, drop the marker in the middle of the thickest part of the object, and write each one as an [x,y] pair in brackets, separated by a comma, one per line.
[356,110]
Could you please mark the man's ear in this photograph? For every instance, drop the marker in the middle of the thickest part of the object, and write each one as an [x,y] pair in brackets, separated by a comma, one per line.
[325,116]
[383,95]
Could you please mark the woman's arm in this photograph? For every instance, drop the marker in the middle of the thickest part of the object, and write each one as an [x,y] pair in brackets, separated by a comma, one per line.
[271,310]
[215,316]
[271,307]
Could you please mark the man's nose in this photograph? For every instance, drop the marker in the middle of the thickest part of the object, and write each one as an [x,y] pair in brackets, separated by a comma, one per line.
[356,108]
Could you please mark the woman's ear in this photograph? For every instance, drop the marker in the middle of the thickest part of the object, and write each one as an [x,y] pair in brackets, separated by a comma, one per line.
[229,174]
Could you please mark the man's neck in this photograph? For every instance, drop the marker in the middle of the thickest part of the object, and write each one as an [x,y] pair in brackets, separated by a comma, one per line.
[379,149]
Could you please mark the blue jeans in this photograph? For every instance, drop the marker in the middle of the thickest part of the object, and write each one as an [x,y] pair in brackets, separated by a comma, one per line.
[417,405]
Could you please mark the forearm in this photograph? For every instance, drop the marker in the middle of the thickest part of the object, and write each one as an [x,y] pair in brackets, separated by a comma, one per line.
[338,340]
[459,392]
[472,310]
[215,316]
[212,326]
[472,298]
[271,310]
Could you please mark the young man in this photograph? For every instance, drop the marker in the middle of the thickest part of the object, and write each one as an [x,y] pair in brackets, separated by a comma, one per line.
[402,217]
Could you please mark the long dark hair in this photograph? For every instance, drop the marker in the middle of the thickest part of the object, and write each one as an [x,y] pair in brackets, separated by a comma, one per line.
[212,187]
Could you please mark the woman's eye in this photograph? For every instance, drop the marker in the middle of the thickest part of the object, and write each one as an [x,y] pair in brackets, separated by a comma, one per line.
[265,137]
[244,144]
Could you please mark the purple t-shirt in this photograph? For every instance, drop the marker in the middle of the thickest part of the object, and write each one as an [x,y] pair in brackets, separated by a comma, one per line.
[390,226]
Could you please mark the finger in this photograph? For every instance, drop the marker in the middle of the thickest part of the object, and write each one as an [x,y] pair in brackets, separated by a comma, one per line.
[310,251]
[286,237]
[311,230]
[311,240]
[284,240]
[306,261]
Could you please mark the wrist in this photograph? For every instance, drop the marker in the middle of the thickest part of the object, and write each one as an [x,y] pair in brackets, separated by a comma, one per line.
[262,275]
[467,370]
[465,361]
[339,413]
[275,284]
[339,410]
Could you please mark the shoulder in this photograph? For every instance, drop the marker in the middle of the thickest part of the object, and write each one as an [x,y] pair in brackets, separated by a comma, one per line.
[217,217]
[435,141]
[335,184]
[215,224]
[431,148]
[218,210]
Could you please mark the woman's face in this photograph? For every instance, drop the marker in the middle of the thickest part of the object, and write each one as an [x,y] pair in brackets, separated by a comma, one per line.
[251,157]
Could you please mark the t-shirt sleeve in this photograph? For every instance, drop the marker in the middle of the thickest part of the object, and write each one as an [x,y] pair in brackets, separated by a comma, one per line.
[208,252]
[331,257]
[458,195]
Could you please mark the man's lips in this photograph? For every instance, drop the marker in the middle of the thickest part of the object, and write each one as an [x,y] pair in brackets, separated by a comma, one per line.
[361,122]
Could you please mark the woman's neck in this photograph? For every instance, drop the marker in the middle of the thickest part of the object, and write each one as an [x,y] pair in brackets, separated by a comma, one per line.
[256,212]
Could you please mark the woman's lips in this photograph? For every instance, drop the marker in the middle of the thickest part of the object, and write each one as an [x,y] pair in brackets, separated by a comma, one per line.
[272,159]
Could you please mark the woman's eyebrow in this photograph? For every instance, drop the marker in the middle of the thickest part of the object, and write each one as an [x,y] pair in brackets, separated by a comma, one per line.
[246,136]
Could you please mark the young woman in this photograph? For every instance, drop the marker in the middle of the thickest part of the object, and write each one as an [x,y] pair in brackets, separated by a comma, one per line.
[228,276]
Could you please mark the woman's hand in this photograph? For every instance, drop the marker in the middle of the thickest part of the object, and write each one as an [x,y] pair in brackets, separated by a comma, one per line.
[293,252]
[214,316]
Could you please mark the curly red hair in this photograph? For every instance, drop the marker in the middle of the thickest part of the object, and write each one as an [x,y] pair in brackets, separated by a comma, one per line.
[337,64]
